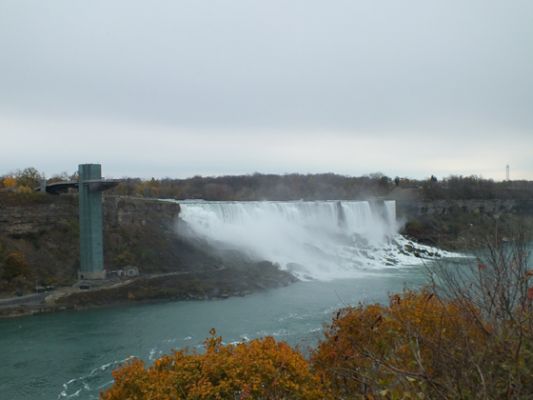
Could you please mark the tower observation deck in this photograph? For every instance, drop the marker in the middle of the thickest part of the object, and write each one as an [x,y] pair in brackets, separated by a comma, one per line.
[90,186]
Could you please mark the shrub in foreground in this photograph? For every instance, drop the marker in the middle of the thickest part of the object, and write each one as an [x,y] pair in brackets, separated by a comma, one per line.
[423,347]
[259,369]
[402,350]
[468,336]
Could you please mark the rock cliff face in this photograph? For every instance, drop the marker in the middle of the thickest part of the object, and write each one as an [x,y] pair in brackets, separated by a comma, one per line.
[461,224]
[418,208]
[127,211]
[44,230]
[22,217]
[48,213]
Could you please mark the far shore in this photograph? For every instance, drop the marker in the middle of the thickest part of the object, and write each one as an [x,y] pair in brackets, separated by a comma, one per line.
[221,283]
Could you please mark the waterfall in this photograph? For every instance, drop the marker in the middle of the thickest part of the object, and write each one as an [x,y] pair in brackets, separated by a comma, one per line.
[311,239]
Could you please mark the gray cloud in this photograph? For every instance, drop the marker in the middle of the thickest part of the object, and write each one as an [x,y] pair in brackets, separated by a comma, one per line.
[408,87]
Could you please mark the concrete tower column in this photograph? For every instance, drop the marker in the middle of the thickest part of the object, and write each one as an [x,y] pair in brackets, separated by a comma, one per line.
[91,228]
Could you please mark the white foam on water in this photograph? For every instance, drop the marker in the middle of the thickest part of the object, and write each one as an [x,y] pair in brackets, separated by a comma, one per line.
[84,384]
[321,240]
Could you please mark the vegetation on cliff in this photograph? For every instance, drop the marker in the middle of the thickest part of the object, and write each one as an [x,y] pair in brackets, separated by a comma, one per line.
[326,186]
[22,181]
[15,271]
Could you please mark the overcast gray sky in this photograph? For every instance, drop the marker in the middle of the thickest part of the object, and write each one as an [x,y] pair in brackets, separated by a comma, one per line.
[178,88]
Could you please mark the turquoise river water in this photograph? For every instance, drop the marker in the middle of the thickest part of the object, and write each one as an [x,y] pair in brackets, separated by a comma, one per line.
[70,355]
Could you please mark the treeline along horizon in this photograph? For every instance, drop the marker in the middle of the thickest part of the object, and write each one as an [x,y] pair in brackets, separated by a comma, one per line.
[327,186]
[324,186]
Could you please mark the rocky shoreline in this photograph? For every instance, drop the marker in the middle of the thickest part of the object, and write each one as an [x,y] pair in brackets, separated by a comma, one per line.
[205,285]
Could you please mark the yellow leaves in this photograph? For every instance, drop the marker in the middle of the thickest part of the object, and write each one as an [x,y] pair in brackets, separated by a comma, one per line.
[259,369]
[25,189]
[9,182]
[376,345]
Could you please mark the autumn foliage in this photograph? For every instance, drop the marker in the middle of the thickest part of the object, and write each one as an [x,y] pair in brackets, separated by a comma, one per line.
[259,369]
[403,350]
[419,346]
[15,271]
[9,182]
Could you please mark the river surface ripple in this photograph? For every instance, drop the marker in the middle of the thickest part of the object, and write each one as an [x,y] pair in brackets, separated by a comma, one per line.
[71,354]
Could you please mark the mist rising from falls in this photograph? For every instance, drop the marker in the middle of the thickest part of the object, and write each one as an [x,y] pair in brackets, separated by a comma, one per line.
[312,239]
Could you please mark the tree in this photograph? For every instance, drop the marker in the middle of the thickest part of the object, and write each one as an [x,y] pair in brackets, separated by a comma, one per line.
[467,336]
[9,182]
[397,181]
[16,268]
[28,177]
[259,369]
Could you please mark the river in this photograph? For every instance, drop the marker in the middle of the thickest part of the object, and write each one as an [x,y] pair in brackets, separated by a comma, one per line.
[71,354]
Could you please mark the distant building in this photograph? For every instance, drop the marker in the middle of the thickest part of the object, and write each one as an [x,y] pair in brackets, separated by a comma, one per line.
[126,272]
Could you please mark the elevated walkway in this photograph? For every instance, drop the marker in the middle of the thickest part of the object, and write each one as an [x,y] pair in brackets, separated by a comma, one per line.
[64,186]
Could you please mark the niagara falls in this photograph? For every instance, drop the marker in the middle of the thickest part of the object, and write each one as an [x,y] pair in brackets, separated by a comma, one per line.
[266,200]
[320,240]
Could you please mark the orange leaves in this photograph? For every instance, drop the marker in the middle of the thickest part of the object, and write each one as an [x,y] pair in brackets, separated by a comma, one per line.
[259,369]
[9,182]
[386,348]
[129,382]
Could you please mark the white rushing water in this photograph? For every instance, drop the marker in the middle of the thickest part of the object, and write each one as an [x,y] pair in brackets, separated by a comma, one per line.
[321,240]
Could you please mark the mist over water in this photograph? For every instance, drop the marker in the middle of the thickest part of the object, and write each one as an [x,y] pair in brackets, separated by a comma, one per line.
[320,240]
